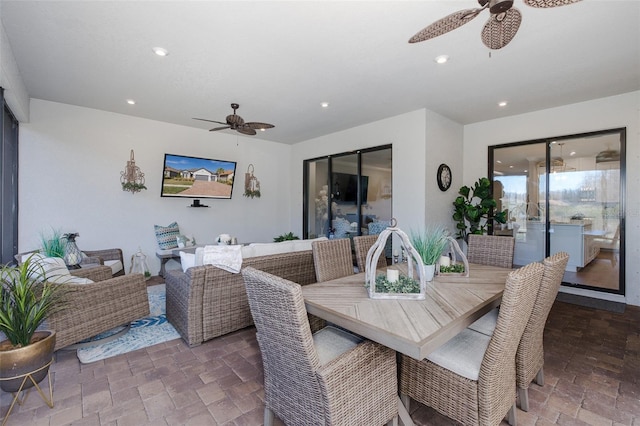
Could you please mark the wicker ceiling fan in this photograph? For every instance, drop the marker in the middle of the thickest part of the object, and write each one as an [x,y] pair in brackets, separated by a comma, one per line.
[237,123]
[501,27]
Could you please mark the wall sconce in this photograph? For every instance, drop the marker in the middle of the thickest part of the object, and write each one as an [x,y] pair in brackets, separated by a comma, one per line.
[132,179]
[251,184]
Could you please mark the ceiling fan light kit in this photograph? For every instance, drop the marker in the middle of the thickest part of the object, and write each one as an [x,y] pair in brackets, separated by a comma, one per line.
[500,28]
[237,123]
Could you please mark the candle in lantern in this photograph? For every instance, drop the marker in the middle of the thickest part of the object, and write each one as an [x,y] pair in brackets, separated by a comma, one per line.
[445,261]
[393,275]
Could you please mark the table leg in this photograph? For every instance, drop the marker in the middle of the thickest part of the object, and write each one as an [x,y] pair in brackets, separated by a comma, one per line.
[403,413]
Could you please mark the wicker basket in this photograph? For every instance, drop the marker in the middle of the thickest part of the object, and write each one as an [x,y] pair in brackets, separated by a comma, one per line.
[414,268]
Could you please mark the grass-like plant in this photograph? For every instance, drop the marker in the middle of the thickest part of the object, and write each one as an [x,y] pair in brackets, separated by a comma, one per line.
[53,245]
[430,243]
[26,300]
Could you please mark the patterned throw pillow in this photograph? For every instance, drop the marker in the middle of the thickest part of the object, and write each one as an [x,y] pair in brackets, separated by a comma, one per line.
[166,235]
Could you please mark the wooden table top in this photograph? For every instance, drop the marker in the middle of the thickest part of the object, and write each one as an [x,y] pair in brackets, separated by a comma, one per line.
[412,327]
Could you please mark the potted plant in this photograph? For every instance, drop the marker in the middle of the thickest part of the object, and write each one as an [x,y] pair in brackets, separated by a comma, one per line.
[430,243]
[285,237]
[474,209]
[26,302]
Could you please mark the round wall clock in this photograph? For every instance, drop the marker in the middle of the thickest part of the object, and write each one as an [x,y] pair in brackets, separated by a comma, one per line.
[444,177]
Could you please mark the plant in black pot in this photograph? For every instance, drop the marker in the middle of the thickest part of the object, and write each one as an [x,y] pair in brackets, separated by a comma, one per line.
[474,209]
[26,301]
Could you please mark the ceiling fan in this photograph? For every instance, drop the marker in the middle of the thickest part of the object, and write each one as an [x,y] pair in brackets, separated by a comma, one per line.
[501,27]
[237,123]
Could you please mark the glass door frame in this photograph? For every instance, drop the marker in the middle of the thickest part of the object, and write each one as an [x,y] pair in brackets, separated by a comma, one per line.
[622,194]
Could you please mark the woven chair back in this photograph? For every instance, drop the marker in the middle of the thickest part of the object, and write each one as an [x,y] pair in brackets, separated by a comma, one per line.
[362,244]
[491,250]
[332,259]
[496,383]
[530,355]
[288,355]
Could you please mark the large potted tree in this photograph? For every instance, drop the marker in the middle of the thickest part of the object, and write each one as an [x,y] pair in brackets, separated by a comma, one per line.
[474,209]
[27,299]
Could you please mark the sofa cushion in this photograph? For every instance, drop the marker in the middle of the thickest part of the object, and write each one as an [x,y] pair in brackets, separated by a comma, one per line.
[53,270]
[265,249]
[187,260]
[167,235]
[115,265]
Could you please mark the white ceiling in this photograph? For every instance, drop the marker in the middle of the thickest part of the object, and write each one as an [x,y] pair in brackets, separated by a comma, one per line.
[279,60]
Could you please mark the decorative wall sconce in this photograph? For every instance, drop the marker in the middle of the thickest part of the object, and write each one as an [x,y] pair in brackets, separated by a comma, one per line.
[251,184]
[132,179]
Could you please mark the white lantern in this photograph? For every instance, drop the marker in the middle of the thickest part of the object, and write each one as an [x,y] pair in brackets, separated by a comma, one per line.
[139,265]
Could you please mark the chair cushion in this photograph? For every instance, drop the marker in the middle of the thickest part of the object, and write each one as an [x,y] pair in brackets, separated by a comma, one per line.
[486,323]
[462,354]
[115,265]
[187,260]
[167,235]
[331,342]
[52,267]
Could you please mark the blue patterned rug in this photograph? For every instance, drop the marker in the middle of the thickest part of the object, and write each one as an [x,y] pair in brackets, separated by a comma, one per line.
[143,333]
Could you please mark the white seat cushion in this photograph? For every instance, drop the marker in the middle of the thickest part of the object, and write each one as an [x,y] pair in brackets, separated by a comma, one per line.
[115,265]
[42,267]
[331,342]
[486,323]
[462,354]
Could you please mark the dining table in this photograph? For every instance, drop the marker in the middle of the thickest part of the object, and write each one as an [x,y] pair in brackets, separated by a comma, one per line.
[412,327]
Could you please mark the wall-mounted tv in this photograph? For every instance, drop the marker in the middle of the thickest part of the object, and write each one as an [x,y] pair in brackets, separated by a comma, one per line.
[194,177]
[345,188]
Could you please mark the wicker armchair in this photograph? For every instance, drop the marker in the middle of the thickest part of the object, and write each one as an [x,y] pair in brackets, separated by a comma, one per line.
[105,257]
[328,378]
[472,377]
[491,250]
[362,244]
[332,259]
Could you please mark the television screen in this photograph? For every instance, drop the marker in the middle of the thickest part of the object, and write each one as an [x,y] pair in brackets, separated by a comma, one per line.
[345,187]
[193,177]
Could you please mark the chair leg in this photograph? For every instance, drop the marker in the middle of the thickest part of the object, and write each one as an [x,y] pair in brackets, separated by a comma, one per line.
[540,377]
[524,398]
[268,417]
[512,415]
[393,421]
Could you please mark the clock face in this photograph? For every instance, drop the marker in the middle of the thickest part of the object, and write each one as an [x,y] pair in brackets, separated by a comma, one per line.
[444,177]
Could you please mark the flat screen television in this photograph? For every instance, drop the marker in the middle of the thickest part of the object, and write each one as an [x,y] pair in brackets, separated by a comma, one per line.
[345,187]
[195,177]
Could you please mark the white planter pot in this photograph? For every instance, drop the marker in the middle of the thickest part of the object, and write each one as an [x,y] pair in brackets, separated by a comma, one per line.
[428,271]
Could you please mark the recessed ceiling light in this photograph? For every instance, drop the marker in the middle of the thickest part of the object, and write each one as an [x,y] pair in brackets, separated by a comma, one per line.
[160,51]
[498,161]
[502,104]
[131,102]
[324,104]
[572,153]
[441,59]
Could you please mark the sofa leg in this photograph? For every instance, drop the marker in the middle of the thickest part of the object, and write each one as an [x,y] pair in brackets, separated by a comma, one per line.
[524,399]
[268,417]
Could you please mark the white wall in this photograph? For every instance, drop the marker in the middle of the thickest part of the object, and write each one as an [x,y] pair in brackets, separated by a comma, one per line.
[15,93]
[69,179]
[607,113]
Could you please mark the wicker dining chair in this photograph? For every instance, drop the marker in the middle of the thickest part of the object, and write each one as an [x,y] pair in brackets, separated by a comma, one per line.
[472,377]
[362,244]
[530,354]
[491,250]
[332,259]
[330,377]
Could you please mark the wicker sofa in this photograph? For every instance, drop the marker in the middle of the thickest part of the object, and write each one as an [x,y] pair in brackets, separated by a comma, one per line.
[206,302]
[91,309]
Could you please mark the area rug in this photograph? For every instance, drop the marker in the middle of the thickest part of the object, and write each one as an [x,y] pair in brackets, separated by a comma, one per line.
[144,332]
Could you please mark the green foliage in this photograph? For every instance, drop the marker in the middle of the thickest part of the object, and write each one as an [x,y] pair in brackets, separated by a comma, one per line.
[404,284]
[285,237]
[473,209]
[430,243]
[133,186]
[250,193]
[26,301]
[456,268]
[53,245]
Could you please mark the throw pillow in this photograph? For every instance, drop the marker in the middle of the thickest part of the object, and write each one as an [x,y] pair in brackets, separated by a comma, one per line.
[187,260]
[167,235]
[49,268]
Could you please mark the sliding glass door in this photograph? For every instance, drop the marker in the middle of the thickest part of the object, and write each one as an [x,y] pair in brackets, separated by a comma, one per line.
[566,194]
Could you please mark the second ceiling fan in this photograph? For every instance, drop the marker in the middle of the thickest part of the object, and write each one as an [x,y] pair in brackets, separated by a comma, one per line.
[501,27]
[237,123]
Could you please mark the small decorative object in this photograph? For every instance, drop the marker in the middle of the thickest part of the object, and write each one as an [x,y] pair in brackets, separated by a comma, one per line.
[444,177]
[251,184]
[72,254]
[397,283]
[430,244]
[223,239]
[450,266]
[53,245]
[286,237]
[139,264]
[132,179]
